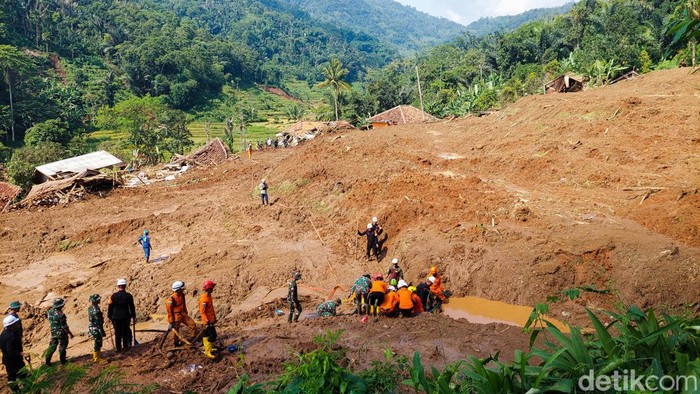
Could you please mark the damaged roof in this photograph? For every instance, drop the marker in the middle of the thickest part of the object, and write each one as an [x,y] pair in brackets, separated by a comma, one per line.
[90,161]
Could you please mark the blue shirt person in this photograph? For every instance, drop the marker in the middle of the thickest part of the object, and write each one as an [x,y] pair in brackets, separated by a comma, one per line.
[145,242]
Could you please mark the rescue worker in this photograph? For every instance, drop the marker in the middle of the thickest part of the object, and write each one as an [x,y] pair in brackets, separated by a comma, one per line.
[176,308]
[394,272]
[390,306]
[417,303]
[378,230]
[120,311]
[360,291]
[328,308]
[405,299]
[293,297]
[250,150]
[59,332]
[206,310]
[436,288]
[376,294]
[13,310]
[423,292]
[145,242]
[371,241]
[96,326]
[263,192]
[12,351]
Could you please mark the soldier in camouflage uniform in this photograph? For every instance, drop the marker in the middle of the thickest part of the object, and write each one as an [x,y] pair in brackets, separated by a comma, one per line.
[361,289]
[96,326]
[293,297]
[59,331]
[328,308]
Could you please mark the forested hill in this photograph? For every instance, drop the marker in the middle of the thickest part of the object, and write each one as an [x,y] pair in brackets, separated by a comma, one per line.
[401,26]
[506,23]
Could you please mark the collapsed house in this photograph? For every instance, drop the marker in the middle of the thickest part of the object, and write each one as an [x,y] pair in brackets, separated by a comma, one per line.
[401,114]
[68,168]
[564,84]
[73,188]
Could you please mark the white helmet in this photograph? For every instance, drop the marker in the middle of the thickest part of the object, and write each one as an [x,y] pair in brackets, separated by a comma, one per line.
[177,285]
[9,320]
[375,220]
[121,282]
[402,283]
[431,279]
[263,180]
[391,288]
[369,226]
[395,261]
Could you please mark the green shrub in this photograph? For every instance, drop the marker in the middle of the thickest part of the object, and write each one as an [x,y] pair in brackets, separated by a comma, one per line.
[20,168]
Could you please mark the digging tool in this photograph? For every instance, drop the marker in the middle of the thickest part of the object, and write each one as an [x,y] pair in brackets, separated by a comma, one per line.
[162,341]
[111,335]
[136,343]
[28,359]
[357,240]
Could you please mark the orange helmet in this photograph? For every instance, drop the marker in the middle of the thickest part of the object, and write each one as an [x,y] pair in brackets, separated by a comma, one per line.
[433,270]
[208,285]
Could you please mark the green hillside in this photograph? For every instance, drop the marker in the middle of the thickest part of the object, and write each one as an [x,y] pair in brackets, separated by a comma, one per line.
[484,26]
[395,24]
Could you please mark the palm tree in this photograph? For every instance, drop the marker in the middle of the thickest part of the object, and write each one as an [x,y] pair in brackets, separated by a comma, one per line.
[334,73]
[13,62]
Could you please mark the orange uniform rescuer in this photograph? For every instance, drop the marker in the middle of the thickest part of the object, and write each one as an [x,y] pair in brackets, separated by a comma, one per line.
[206,310]
[177,310]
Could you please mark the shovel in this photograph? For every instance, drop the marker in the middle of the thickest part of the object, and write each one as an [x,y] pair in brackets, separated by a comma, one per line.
[136,343]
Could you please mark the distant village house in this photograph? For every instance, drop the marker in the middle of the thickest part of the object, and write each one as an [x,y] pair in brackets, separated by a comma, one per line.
[402,114]
[69,167]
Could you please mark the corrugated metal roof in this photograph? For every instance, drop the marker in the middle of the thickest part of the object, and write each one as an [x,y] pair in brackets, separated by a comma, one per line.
[91,161]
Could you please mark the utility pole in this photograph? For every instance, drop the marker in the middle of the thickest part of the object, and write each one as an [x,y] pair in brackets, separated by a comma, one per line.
[420,94]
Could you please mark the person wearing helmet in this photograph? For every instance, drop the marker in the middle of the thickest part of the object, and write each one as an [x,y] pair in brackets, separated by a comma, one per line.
[360,291]
[13,310]
[293,298]
[206,310]
[328,308]
[96,326]
[390,306]
[12,352]
[145,242]
[371,241]
[405,299]
[394,272]
[176,307]
[417,303]
[436,289]
[263,193]
[376,294]
[378,230]
[120,311]
[59,331]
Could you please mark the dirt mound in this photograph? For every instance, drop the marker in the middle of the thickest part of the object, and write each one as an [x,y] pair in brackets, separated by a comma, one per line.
[596,189]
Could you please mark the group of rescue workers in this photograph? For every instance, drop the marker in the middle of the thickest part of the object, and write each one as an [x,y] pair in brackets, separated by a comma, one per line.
[374,295]
[122,314]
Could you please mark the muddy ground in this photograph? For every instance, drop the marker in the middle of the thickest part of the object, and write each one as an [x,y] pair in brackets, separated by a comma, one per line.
[593,189]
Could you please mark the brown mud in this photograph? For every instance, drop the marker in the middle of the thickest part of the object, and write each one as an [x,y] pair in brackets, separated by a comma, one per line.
[593,189]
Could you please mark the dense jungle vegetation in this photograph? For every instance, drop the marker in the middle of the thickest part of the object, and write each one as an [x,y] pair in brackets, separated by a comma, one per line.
[143,74]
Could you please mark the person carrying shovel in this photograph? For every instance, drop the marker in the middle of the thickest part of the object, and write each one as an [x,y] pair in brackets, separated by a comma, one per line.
[177,311]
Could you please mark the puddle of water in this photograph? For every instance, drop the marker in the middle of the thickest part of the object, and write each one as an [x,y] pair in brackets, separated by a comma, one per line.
[482,311]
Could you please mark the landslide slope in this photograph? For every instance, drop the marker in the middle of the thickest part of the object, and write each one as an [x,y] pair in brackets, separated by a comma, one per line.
[598,188]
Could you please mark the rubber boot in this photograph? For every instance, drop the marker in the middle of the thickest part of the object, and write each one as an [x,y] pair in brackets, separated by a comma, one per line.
[95,357]
[208,347]
[289,318]
[296,317]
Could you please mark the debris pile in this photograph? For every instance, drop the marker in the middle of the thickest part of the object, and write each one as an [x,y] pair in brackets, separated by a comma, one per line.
[213,153]
[74,188]
[8,193]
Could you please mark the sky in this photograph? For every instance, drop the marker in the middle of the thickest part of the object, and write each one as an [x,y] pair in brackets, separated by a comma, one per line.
[467,11]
